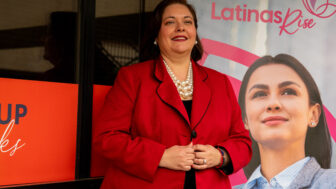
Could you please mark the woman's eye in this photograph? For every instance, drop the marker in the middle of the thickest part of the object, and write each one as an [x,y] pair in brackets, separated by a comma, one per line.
[169,22]
[259,94]
[188,22]
[289,92]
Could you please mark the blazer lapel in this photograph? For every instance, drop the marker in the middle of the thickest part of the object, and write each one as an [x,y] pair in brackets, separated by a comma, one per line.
[201,95]
[307,174]
[167,90]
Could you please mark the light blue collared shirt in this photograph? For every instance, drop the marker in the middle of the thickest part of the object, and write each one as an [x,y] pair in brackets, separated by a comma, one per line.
[280,181]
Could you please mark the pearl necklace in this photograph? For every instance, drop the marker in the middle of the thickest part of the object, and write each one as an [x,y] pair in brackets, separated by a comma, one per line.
[184,88]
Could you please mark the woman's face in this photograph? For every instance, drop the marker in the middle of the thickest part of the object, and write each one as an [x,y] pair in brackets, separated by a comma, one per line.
[177,34]
[277,107]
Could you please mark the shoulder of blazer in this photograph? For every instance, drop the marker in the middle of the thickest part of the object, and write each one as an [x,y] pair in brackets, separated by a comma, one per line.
[213,74]
[325,178]
[139,70]
[313,176]
[141,66]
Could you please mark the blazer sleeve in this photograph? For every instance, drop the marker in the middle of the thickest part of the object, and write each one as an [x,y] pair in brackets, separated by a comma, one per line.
[137,156]
[238,145]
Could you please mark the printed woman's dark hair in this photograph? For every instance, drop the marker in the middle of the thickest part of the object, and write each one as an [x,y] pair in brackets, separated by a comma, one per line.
[148,49]
[318,142]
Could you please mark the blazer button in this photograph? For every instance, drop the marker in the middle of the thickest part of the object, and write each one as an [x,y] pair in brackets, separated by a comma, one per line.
[193,134]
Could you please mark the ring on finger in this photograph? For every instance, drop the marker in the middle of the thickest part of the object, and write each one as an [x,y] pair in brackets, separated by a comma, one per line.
[204,161]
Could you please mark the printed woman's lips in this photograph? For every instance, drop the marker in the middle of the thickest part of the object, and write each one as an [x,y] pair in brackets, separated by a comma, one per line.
[274,120]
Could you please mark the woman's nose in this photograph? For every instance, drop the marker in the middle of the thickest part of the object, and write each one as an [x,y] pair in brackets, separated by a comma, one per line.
[272,108]
[179,27]
[273,105]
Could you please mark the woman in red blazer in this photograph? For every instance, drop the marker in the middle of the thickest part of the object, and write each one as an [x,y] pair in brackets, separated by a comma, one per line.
[169,122]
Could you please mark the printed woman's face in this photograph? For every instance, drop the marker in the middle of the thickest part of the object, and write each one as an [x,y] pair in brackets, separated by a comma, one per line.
[277,107]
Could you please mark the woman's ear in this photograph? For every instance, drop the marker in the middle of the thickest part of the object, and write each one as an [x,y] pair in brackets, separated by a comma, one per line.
[315,112]
[246,125]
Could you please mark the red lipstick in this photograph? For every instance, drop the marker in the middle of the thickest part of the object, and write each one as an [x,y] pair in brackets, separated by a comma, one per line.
[179,38]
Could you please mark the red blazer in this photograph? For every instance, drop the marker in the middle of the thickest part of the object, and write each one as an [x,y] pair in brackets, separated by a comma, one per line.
[143,115]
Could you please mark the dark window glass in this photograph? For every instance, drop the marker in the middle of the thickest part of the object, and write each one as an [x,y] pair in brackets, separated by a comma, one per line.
[38,39]
[117,37]
[119,29]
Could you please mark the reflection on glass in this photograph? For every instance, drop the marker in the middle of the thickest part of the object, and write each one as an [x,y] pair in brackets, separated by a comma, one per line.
[37,37]
[59,47]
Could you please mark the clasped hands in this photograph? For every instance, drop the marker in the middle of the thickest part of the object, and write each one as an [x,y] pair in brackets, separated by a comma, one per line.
[184,158]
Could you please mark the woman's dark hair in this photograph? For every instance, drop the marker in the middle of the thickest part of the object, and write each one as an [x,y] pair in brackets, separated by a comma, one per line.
[151,51]
[318,143]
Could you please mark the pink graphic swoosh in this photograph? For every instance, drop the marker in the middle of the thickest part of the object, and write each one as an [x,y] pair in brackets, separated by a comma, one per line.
[230,52]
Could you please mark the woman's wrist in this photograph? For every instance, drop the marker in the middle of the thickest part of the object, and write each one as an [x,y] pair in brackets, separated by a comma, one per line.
[163,158]
[222,158]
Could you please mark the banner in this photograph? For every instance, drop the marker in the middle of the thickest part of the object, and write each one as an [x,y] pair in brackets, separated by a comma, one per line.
[38,125]
[234,33]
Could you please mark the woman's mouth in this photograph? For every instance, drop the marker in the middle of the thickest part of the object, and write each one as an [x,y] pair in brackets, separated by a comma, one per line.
[179,38]
[274,120]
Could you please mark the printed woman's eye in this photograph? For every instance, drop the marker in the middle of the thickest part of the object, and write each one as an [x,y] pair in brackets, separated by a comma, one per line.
[259,94]
[289,91]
